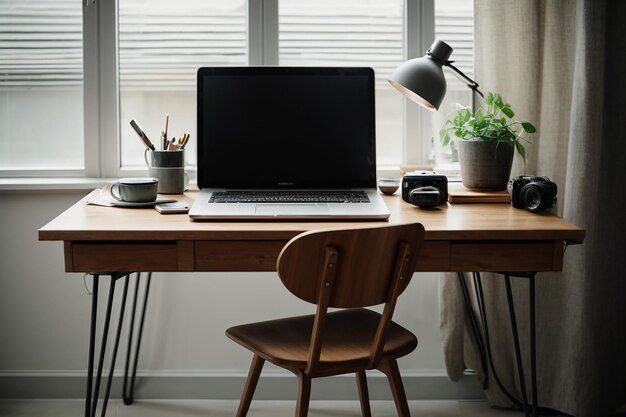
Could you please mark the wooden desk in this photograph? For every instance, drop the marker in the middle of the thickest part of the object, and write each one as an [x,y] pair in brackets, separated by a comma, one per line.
[462,237]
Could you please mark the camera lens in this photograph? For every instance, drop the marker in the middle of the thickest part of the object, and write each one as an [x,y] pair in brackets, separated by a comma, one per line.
[536,196]
[426,196]
[531,197]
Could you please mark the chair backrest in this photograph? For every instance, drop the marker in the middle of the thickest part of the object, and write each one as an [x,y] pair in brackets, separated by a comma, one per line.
[364,264]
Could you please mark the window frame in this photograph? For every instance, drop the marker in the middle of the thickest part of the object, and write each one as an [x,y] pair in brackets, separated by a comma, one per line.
[101,103]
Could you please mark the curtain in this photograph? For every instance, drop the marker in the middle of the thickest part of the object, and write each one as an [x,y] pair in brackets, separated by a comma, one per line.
[562,65]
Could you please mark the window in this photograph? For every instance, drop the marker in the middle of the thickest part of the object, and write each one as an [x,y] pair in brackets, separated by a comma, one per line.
[41,86]
[140,59]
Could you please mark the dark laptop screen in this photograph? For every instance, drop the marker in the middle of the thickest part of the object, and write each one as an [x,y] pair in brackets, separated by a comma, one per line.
[279,127]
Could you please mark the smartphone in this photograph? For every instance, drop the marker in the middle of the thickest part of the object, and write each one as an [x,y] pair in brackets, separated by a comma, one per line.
[172,208]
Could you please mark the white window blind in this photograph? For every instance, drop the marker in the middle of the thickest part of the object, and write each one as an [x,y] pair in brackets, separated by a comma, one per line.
[40,43]
[41,73]
[454,24]
[163,43]
[346,33]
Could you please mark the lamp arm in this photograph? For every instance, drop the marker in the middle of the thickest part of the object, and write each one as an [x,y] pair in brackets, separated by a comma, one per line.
[470,83]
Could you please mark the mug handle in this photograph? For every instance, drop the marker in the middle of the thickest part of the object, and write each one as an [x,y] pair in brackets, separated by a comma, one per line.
[145,157]
[118,198]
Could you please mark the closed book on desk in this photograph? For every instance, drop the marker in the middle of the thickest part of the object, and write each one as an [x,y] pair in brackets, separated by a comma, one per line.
[458,194]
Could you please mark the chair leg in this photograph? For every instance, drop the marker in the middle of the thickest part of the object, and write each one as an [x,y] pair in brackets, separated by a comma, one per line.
[390,368]
[361,380]
[248,390]
[304,394]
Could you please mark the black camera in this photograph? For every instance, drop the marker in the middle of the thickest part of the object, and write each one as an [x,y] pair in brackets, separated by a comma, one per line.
[425,189]
[532,193]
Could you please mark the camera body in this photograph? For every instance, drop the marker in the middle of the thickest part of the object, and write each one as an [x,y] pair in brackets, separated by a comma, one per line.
[532,193]
[425,189]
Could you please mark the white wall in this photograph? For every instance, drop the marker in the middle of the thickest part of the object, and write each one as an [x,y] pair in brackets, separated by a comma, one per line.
[44,312]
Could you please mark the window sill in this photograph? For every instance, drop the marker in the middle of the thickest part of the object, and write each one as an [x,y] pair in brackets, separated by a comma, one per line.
[41,184]
[58,183]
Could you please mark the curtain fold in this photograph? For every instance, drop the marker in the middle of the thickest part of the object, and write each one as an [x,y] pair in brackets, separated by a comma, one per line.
[562,65]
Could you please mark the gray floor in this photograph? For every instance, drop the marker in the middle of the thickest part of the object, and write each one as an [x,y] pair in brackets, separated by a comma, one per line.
[216,408]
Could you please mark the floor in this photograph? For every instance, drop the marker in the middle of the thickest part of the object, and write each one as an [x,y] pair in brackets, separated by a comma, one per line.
[218,408]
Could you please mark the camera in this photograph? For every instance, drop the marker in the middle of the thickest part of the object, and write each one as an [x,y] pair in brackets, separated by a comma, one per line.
[425,189]
[532,193]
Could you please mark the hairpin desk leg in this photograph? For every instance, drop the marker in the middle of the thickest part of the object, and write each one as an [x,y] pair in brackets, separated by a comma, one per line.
[483,339]
[93,392]
[518,355]
[128,390]
[532,342]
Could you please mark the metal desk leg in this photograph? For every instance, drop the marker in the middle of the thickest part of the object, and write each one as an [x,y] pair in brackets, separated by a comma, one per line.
[91,398]
[128,390]
[533,355]
[532,341]
[518,355]
[485,339]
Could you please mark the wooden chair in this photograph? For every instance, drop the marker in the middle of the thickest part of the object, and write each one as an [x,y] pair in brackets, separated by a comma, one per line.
[347,269]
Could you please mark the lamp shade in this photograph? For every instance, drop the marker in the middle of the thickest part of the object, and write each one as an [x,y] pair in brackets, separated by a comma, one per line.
[422,79]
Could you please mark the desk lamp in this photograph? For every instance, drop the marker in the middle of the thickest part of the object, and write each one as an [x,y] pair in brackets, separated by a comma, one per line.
[422,79]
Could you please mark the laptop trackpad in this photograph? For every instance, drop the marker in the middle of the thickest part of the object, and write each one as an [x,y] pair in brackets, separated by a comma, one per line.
[292,209]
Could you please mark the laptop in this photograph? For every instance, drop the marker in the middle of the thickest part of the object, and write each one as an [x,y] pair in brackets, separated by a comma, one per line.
[292,143]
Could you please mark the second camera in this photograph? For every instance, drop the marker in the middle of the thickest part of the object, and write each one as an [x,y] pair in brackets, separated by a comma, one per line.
[425,189]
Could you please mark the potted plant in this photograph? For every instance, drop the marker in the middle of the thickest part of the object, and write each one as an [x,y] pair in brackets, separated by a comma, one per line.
[486,142]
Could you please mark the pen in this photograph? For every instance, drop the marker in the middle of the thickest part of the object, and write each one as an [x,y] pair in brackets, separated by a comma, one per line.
[163,141]
[185,140]
[142,135]
[172,145]
[167,120]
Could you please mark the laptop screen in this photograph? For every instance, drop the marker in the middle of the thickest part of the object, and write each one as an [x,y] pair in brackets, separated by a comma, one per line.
[286,127]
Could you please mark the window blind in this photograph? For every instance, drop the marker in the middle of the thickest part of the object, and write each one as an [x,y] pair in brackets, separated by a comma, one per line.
[40,43]
[456,28]
[343,34]
[162,47]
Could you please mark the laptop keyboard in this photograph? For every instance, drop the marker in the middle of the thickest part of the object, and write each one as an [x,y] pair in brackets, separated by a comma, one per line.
[289,197]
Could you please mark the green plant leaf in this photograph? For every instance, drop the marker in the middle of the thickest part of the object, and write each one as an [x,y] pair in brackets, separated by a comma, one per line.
[493,123]
[528,127]
[442,133]
[508,112]
[445,140]
[520,149]
[489,98]
[498,101]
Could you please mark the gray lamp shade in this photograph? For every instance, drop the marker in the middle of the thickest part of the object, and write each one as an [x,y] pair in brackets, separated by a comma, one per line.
[421,80]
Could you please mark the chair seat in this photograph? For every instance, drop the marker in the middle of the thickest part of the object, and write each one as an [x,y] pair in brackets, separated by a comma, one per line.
[346,346]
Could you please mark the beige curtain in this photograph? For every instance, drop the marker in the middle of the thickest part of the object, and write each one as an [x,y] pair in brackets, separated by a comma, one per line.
[562,65]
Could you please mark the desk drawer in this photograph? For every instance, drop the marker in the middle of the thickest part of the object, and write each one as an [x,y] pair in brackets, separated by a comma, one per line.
[121,257]
[252,256]
[235,255]
[507,256]
[434,256]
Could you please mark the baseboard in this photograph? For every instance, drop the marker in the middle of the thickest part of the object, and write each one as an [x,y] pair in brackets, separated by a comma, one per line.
[228,386]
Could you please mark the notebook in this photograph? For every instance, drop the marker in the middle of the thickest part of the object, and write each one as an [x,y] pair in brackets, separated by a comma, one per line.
[286,143]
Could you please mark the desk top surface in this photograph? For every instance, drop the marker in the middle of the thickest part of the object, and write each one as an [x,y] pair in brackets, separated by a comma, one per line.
[83,222]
